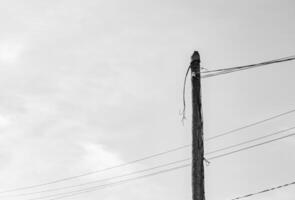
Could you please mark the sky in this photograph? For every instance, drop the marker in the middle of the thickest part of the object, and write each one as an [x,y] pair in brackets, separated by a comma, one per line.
[91,84]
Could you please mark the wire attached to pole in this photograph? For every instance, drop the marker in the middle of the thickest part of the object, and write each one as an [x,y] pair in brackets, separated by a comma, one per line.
[182,113]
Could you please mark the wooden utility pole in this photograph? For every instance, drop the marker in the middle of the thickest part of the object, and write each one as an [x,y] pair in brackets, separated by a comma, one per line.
[198,187]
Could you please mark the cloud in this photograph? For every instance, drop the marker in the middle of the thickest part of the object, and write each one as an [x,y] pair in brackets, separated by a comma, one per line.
[10,51]
[4,121]
[96,156]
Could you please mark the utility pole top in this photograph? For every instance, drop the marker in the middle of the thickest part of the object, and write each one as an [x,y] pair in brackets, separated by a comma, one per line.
[195,56]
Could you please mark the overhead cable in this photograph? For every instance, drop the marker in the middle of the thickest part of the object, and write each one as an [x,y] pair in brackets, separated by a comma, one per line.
[210,73]
[250,147]
[163,165]
[96,171]
[249,125]
[251,140]
[95,188]
[99,180]
[146,157]
[264,191]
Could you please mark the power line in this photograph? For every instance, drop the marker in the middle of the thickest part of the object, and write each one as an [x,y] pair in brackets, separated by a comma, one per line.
[97,171]
[95,188]
[244,67]
[264,191]
[167,164]
[253,65]
[147,157]
[249,141]
[100,180]
[249,125]
[91,189]
[250,147]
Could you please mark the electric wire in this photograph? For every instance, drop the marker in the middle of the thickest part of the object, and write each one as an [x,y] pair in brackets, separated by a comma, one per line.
[250,147]
[249,141]
[97,171]
[237,198]
[95,188]
[284,59]
[264,191]
[183,95]
[100,180]
[250,125]
[217,72]
[167,164]
[147,157]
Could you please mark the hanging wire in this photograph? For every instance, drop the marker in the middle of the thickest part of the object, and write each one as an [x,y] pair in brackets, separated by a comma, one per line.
[182,113]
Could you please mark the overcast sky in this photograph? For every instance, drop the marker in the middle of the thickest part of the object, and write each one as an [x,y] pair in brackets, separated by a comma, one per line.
[90,84]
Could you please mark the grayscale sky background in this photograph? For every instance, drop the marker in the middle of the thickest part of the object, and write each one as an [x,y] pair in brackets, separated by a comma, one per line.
[90,84]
